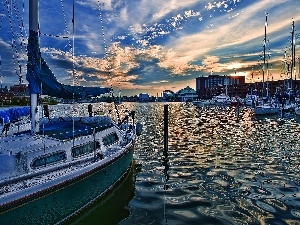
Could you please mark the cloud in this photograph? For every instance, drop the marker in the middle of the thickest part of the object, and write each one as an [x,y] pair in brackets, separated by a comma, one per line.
[156,43]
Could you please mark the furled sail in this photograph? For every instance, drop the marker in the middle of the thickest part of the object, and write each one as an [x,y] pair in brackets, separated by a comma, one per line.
[39,73]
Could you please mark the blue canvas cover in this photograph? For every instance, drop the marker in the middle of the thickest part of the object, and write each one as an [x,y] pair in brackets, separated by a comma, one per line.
[13,114]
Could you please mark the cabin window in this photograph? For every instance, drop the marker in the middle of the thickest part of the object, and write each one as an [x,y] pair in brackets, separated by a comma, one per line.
[85,148]
[110,139]
[48,159]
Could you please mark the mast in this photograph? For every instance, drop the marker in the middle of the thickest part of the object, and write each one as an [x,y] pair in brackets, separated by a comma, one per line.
[33,65]
[293,66]
[264,46]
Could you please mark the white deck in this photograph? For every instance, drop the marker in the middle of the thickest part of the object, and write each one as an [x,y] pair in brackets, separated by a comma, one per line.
[14,144]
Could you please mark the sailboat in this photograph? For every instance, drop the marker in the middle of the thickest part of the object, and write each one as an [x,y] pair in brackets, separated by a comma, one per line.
[223,98]
[53,167]
[265,108]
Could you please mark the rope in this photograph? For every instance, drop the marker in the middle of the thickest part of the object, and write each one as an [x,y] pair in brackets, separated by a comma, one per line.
[2,15]
[13,44]
[107,58]
[67,31]
[22,42]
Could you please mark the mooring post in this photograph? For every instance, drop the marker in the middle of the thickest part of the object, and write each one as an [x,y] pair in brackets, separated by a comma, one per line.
[283,101]
[165,130]
[237,108]
[90,110]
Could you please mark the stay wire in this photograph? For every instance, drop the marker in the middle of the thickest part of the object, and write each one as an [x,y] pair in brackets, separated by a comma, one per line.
[109,62]
[13,43]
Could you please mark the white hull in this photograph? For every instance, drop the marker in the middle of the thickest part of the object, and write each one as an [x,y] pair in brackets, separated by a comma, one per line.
[266,110]
[36,168]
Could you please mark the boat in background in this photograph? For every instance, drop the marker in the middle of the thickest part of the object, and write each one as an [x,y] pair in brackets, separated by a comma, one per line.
[266,109]
[236,101]
[222,99]
[203,102]
[265,106]
[59,160]
[251,99]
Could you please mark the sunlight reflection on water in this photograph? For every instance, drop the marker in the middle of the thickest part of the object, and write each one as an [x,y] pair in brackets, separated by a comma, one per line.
[221,170]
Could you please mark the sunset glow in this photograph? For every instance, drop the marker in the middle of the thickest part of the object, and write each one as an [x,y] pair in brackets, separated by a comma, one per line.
[151,45]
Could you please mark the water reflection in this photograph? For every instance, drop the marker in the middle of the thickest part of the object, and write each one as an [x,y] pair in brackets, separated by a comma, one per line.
[113,207]
[220,170]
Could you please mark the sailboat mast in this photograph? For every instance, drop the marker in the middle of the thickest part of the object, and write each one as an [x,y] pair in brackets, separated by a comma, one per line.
[33,68]
[293,66]
[264,65]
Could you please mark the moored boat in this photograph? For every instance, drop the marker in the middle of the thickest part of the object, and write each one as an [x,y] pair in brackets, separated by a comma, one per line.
[222,99]
[236,101]
[266,109]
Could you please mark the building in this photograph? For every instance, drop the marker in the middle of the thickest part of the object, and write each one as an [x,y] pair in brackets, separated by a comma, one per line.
[144,97]
[14,95]
[212,85]
[20,90]
[6,97]
[187,94]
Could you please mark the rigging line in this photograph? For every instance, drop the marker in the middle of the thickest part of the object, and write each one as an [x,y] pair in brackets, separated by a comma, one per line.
[2,15]
[73,73]
[109,63]
[67,30]
[16,13]
[18,24]
[13,44]
[22,42]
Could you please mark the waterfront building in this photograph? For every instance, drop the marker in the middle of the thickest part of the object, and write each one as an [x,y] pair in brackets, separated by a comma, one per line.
[15,93]
[6,97]
[144,97]
[20,89]
[187,94]
[213,85]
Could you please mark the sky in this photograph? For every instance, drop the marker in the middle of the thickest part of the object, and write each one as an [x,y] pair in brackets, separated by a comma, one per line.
[148,46]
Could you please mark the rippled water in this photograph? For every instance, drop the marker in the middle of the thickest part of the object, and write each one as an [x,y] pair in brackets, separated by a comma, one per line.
[219,170]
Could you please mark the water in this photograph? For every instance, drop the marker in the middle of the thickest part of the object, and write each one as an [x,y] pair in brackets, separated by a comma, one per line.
[220,170]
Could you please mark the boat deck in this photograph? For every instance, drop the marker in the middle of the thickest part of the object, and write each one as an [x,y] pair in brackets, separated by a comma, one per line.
[12,145]
[19,139]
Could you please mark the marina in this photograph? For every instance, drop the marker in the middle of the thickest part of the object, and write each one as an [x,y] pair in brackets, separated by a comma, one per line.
[220,169]
[74,150]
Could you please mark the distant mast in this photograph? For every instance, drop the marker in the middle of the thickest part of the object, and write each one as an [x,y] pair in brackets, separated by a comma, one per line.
[293,62]
[264,65]
[33,65]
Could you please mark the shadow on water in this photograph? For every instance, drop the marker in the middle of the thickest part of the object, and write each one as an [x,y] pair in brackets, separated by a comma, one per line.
[111,208]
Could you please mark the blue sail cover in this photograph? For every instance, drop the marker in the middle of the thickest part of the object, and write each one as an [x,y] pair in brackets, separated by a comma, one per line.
[39,73]
[13,114]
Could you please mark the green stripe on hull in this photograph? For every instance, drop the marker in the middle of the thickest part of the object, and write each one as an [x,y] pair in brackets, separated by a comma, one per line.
[61,203]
